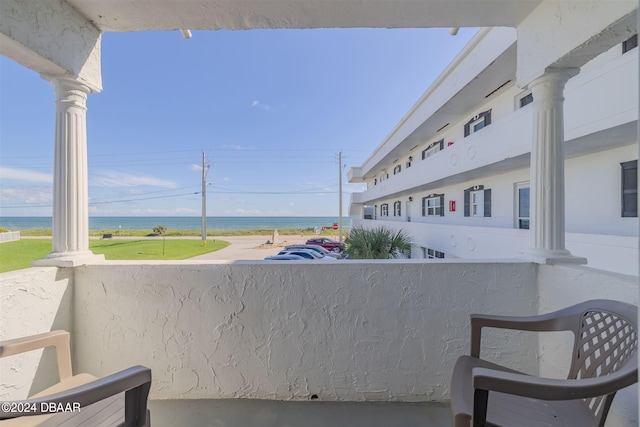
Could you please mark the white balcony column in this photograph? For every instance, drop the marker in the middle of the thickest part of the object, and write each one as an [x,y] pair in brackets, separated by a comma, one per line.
[70,240]
[547,225]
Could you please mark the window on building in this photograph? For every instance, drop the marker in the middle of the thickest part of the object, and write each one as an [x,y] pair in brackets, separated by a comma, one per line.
[397,169]
[433,205]
[478,122]
[375,181]
[384,209]
[431,253]
[375,211]
[525,100]
[629,188]
[630,43]
[432,149]
[522,206]
[409,160]
[397,208]
[477,201]
[367,212]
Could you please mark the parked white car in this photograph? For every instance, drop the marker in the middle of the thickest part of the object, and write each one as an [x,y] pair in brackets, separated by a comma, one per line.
[319,249]
[284,258]
[308,254]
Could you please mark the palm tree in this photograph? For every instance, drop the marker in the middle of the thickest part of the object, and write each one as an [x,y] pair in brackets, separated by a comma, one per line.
[161,230]
[377,243]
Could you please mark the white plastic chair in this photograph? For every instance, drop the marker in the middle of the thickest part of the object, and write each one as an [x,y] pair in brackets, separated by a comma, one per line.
[604,361]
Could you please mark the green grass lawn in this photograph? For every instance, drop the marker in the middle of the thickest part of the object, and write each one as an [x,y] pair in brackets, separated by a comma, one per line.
[19,254]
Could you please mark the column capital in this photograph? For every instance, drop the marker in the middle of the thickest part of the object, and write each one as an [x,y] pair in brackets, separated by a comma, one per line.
[567,72]
[70,83]
[550,85]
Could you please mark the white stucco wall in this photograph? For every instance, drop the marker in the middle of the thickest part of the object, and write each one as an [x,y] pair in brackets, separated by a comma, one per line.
[593,193]
[349,331]
[32,301]
[601,96]
[563,285]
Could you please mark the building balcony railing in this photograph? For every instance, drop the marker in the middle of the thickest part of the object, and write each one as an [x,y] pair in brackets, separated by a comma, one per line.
[604,252]
[468,155]
[354,331]
[507,141]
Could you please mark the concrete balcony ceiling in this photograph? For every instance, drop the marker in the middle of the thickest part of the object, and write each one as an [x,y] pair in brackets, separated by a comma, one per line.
[139,15]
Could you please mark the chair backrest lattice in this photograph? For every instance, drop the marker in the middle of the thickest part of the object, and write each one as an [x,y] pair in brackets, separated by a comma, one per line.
[605,341]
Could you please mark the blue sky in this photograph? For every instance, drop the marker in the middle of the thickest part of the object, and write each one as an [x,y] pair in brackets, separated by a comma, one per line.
[271,110]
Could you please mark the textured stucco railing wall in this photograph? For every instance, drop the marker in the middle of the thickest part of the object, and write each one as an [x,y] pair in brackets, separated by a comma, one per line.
[32,301]
[345,331]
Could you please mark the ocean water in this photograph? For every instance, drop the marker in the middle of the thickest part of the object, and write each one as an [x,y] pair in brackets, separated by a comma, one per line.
[182,222]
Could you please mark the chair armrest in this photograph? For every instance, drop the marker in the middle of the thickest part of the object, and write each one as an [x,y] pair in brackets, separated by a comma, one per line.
[551,388]
[58,339]
[135,381]
[485,380]
[556,321]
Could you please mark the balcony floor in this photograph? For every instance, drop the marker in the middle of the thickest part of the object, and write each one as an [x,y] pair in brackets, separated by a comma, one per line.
[269,413]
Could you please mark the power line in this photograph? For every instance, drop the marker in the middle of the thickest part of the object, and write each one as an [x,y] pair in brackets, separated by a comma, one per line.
[106,202]
[142,198]
[147,192]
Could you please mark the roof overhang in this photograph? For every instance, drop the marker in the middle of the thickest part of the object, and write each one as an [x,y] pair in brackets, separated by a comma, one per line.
[141,15]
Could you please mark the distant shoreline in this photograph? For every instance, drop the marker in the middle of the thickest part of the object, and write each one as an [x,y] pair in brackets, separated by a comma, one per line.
[114,233]
[184,225]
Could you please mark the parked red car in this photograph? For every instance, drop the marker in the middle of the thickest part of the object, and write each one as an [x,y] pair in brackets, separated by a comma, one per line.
[332,245]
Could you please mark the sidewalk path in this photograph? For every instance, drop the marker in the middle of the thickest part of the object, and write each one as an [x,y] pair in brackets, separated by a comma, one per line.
[248,247]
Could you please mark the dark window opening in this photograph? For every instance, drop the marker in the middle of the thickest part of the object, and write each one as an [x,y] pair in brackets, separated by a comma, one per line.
[477,201]
[630,43]
[526,100]
[523,208]
[433,149]
[433,205]
[478,122]
[630,188]
[397,208]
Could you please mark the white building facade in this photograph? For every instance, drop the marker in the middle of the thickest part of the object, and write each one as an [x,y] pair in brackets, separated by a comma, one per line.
[455,173]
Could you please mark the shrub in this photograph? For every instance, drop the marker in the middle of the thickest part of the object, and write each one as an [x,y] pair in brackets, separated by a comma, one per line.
[377,243]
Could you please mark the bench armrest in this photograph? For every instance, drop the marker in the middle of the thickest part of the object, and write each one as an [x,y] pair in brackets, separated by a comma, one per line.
[134,381]
[58,339]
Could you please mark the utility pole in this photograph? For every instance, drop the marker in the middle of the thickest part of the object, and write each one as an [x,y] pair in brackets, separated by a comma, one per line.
[205,169]
[340,196]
